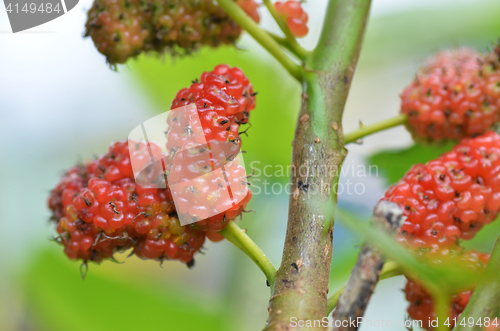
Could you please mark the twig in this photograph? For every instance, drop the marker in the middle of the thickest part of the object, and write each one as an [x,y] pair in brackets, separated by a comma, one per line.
[286,44]
[240,239]
[248,24]
[390,269]
[370,129]
[388,217]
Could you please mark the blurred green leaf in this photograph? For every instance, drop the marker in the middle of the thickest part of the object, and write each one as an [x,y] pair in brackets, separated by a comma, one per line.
[60,300]
[484,239]
[411,35]
[393,164]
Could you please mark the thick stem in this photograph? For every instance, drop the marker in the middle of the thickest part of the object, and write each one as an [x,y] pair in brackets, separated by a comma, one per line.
[485,302]
[240,239]
[366,130]
[248,24]
[302,279]
[388,217]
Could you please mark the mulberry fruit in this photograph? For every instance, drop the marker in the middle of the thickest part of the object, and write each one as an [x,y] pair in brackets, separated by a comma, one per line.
[215,189]
[125,28]
[451,197]
[295,16]
[100,208]
[224,98]
[120,29]
[455,95]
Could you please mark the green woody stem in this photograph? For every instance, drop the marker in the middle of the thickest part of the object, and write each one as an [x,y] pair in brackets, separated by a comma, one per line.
[301,284]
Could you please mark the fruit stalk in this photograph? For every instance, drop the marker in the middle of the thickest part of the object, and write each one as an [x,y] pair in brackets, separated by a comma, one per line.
[366,130]
[239,238]
[387,217]
[266,41]
[485,302]
[302,280]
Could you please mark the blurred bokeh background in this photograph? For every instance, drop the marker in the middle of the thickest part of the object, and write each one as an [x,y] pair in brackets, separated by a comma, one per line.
[60,103]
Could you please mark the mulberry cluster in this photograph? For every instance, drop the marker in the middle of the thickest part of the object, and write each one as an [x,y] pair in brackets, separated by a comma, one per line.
[125,28]
[455,95]
[295,16]
[421,306]
[100,209]
[452,197]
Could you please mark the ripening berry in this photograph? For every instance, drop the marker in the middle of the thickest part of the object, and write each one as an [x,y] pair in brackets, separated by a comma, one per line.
[455,95]
[451,197]
[99,210]
[204,172]
[224,98]
[421,303]
[295,16]
[125,28]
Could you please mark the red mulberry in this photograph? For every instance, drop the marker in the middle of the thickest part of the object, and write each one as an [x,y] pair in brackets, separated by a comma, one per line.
[455,95]
[295,16]
[451,197]
[99,210]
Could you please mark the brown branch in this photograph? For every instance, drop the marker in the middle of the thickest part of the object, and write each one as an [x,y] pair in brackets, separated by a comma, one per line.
[301,287]
[388,217]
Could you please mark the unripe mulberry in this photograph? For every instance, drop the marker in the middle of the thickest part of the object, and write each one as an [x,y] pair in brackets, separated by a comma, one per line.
[455,95]
[126,28]
[451,197]
[120,29]
[295,16]
[421,304]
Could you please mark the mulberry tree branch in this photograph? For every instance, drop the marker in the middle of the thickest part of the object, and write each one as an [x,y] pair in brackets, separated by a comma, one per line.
[301,284]
[390,269]
[388,217]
